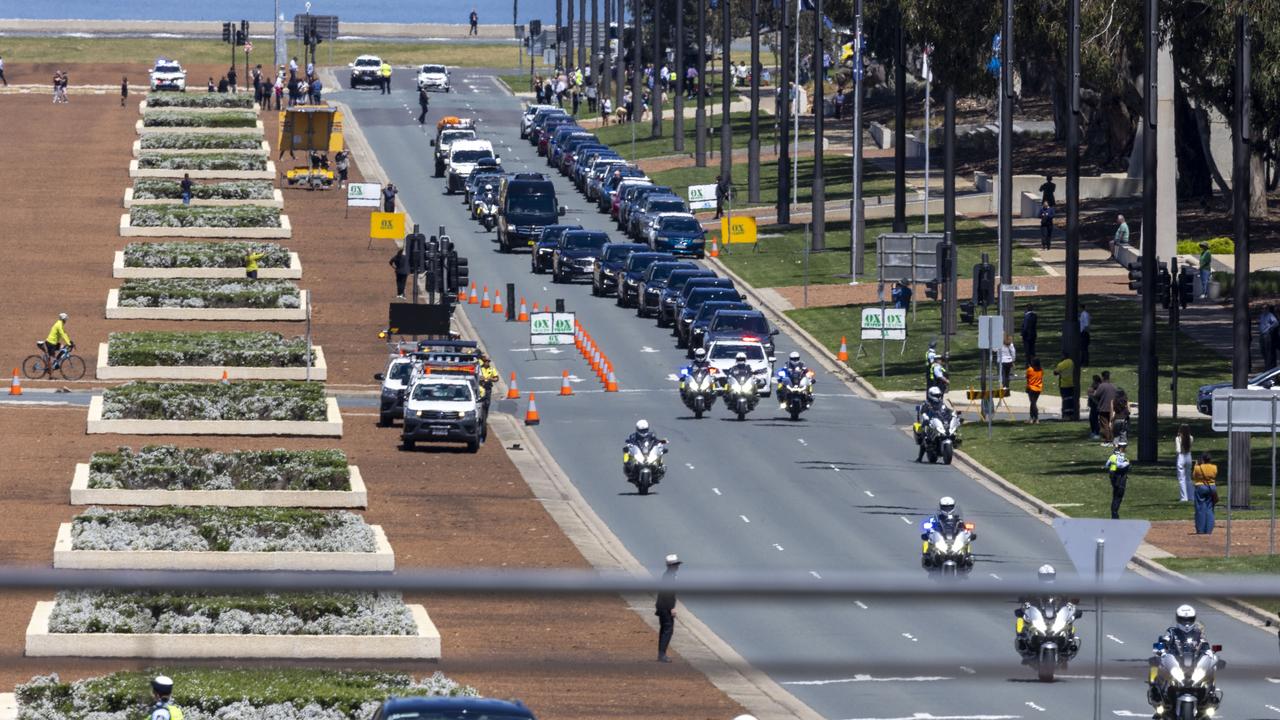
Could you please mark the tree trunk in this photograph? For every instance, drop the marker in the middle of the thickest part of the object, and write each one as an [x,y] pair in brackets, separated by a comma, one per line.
[1195,172]
[1257,183]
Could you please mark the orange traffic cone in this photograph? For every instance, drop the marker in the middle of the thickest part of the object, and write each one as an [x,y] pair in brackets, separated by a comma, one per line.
[843,355]
[225,379]
[513,392]
[531,415]
[484,300]
[523,315]
[15,388]
[497,304]
[611,385]
[715,248]
[564,384]
[535,307]
[475,298]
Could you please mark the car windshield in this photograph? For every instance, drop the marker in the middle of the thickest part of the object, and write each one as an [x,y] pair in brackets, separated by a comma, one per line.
[639,263]
[368,62]
[552,233]
[168,69]
[400,371]
[617,252]
[449,136]
[660,272]
[585,240]
[434,69]
[723,351]
[484,171]
[681,224]
[531,203]
[703,294]
[460,714]
[749,323]
[711,308]
[470,156]
[442,392]
[658,206]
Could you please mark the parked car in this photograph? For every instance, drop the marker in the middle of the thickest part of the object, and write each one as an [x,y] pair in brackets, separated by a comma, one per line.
[632,272]
[1265,380]
[366,70]
[530,112]
[605,278]
[678,234]
[649,207]
[545,246]
[577,254]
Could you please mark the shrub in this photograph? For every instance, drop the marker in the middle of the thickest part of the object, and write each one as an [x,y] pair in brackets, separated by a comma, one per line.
[249,694]
[1262,284]
[224,119]
[204,293]
[199,100]
[185,349]
[230,216]
[199,141]
[194,613]
[219,529]
[230,254]
[150,189]
[1217,246]
[202,161]
[247,400]
[169,467]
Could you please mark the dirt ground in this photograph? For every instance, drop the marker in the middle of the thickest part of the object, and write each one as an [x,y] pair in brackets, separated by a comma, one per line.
[111,73]
[565,658]
[1248,537]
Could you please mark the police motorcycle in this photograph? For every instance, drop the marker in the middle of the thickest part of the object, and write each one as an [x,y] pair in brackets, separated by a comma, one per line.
[1183,670]
[937,429]
[738,386]
[487,208]
[795,386]
[642,458]
[698,384]
[1045,630]
[948,542]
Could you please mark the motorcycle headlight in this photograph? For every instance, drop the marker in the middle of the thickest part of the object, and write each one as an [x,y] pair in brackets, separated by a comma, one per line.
[654,456]
[1039,625]
[937,425]
[1059,623]
[1197,675]
[1176,673]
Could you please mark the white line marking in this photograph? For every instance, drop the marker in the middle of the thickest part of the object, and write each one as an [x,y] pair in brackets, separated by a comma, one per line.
[867,678]
[927,716]
[1109,678]
[1033,706]
[1130,713]
[572,378]
[910,637]
[716,491]
[777,547]
[997,577]
[1113,637]
[833,467]
[647,349]
[801,441]
[905,520]
[815,574]
[860,604]
[690,466]
[1273,708]
[745,519]
[869,493]
[968,670]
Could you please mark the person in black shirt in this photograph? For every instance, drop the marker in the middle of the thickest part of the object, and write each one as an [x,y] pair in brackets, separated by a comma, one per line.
[424,102]
[665,608]
[1047,190]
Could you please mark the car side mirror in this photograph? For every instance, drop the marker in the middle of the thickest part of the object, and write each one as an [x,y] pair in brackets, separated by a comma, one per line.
[433,143]
[351,65]
[563,210]
[772,359]
[1018,613]
[379,377]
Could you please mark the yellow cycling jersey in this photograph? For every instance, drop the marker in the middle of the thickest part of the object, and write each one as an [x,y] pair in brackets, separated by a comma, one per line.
[58,334]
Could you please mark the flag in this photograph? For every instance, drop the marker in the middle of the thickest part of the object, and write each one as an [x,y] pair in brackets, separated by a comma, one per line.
[808,5]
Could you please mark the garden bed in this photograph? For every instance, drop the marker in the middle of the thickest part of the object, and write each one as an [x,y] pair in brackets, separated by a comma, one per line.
[188,161]
[197,222]
[168,359]
[197,101]
[200,144]
[121,269]
[252,407]
[170,475]
[167,191]
[224,259]
[206,299]
[341,626]
[286,694]
[220,121]
[267,174]
[214,538]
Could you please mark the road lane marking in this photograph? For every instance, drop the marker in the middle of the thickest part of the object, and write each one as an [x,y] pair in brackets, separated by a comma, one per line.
[777,547]
[833,467]
[997,577]
[815,574]
[905,520]
[1113,637]
[690,466]
[572,378]
[745,519]
[1273,708]
[647,349]
[1130,713]
[860,604]
[801,441]
[1108,678]
[860,678]
[1033,706]
[928,716]
[910,637]
[869,493]
[968,670]
[716,491]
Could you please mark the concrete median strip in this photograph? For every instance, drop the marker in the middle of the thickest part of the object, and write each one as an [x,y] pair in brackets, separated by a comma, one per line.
[356,497]
[330,427]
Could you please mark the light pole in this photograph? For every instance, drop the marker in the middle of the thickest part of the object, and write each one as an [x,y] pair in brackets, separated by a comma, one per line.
[1071,319]
[857,231]
[900,128]
[753,142]
[726,133]
[677,125]
[1148,423]
[700,119]
[782,119]
[1240,460]
[656,128]
[819,204]
[1006,166]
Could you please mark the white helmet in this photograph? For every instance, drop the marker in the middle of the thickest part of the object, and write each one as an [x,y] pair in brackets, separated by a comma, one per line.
[1047,573]
[947,504]
[935,394]
[1185,616]
[794,357]
[642,425]
[740,357]
[700,354]
[62,317]
[488,186]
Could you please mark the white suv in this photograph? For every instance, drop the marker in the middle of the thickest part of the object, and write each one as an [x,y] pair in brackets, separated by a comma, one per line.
[721,357]
[463,156]
[366,70]
[443,408]
[168,75]
[433,77]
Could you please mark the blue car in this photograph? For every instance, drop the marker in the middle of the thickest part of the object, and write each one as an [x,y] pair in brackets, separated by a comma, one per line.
[452,708]
[678,234]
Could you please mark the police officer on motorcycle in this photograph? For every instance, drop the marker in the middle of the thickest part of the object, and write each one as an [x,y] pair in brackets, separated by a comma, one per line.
[1186,635]
[946,519]
[643,435]
[699,363]
[740,370]
[791,373]
[1047,575]
[932,406]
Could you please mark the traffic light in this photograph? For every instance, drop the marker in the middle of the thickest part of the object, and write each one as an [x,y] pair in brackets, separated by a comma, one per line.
[414,247]
[244,28]
[943,259]
[966,312]
[931,289]
[240,37]
[226,32]
[1164,285]
[1186,286]
[984,284]
[1135,276]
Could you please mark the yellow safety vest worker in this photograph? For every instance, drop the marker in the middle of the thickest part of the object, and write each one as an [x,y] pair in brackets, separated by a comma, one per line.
[168,711]
[251,262]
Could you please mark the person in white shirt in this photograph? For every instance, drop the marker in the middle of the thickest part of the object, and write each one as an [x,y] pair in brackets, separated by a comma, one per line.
[1005,356]
[1085,322]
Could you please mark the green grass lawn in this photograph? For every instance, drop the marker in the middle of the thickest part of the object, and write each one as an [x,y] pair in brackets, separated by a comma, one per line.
[1114,347]
[779,261]
[1248,565]
[619,136]
[837,172]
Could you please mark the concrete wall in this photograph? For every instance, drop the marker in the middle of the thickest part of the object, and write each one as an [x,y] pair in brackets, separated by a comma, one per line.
[105,371]
[268,174]
[276,201]
[356,497]
[115,312]
[118,270]
[423,646]
[284,232]
[144,130]
[330,427]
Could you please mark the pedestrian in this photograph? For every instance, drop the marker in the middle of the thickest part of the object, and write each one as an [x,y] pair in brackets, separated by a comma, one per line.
[1086,320]
[1005,356]
[901,295]
[1267,332]
[223,85]
[1035,386]
[185,187]
[162,697]
[724,194]
[293,66]
[400,263]
[1091,397]
[124,90]
[389,198]
[1206,267]
[665,608]
[1118,473]
[1120,417]
[231,78]
[424,102]
[475,23]
[256,76]
[278,90]
[1065,371]
[1046,224]
[1029,322]
[606,109]
[1122,233]
[577,99]
[384,72]
[1204,477]
[63,84]
[1047,190]
[938,374]
[341,160]
[317,88]
[591,98]
[212,87]
[2,77]
[1105,396]
[1182,451]
[251,263]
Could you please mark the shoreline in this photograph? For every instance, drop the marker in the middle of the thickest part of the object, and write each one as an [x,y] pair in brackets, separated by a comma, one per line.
[422,32]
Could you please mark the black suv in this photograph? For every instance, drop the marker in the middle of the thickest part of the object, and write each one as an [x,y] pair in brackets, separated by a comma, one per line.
[698,328]
[452,708]
[577,254]
[649,291]
[605,278]
[746,325]
[633,271]
[545,247]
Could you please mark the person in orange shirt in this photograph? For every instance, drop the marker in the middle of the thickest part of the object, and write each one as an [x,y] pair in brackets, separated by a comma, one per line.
[1035,386]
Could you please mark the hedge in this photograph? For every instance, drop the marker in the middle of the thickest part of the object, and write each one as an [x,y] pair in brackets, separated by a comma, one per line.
[231,348]
[245,400]
[228,190]
[237,162]
[1217,246]
[169,467]
[199,100]
[224,119]
[219,529]
[228,254]
[205,293]
[200,141]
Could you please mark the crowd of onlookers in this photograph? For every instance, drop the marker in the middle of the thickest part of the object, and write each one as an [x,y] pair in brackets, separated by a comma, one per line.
[289,86]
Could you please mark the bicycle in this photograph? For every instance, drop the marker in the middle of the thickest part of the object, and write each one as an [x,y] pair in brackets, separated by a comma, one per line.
[71,367]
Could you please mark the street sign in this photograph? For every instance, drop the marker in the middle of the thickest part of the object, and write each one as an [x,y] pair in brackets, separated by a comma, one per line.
[1020,288]
[1080,537]
[990,332]
[910,257]
[364,195]
[326,26]
[551,328]
[741,231]
[702,197]
[891,326]
[386,226]
[1252,410]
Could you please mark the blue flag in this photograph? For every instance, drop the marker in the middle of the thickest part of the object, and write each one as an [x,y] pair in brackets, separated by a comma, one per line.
[808,5]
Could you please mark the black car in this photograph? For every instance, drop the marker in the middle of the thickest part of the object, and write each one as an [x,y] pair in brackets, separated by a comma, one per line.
[693,298]
[539,119]
[745,325]
[526,204]
[1265,380]
[632,271]
[649,291]
[666,312]
[545,247]
[605,278]
[452,708]
[698,328]
[631,202]
[576,254]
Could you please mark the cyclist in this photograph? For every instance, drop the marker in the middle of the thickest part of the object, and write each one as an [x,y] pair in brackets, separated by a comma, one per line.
[56,340]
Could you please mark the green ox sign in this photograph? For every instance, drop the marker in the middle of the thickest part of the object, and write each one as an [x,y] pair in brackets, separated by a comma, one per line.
[551,328]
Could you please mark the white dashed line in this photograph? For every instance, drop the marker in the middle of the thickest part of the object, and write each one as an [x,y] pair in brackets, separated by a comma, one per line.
[815,574]
[1273,708]
[745,519]
[869,493]
[860,604]
[777,547]
[905,520]
[1113,637]
[910,637]
[716,491]
[997,577]
[833,467]
[1034,706]
[868,678]
[801,441]
[690,466]
[968,670]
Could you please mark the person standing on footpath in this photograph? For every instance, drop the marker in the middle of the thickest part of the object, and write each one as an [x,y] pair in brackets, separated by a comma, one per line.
[389,198]
[1048,189]
[665,608]
[1118,473]
[475,23]
[1182,451]
[1091,397]
[724,194]
[1120,417]
[1205,477]
[1105,397]
[1206,267]
[342,161]
[400,263]
[424,102]
[1267,325]
[1005,356]
[1065,370]
[185,188]
[124,89]
[1029,322]
[1046,224]
[231,78]
[1035,386]
[1086,321]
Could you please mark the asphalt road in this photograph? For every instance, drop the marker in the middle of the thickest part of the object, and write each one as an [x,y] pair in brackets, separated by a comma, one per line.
[837,490]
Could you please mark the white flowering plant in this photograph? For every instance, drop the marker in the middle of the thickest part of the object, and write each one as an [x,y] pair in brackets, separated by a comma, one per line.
[245,400]
[233,348]
[227,254]
[209,293]
[169,467]
[223,119]
[220,529]
[200,141]
[201,161]
[154,189]
[199,100]
[178,215]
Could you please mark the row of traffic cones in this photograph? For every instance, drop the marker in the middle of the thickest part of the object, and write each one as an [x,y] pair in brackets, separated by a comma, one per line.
[595,357]
[481,298]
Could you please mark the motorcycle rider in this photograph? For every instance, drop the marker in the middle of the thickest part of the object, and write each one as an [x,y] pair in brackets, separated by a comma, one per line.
[1047,575]
[740,370]
[488,378]
[791,373]
[699,363]
[488,196]
[947,520]
[1186,635]
[932,405]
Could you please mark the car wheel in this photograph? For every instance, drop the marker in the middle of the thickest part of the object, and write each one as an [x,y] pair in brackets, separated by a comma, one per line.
[407,445]
[473,446]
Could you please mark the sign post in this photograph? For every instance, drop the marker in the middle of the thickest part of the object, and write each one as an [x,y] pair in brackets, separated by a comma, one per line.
[884,324]
[739,230]
[363,195]
[702,197]
[386,226]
